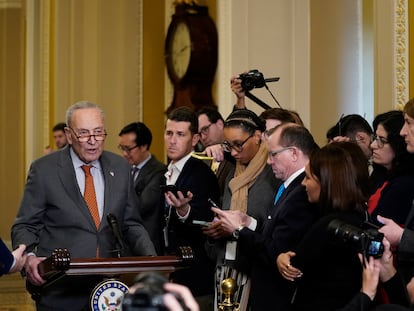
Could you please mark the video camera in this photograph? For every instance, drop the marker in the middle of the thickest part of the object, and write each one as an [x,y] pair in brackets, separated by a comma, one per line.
[368,241]
[148,295]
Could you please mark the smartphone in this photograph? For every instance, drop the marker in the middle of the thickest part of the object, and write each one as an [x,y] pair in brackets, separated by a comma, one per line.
[201,223]
[212,203]
[173,189]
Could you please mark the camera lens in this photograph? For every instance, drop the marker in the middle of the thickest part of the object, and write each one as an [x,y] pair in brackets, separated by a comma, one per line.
[368,242]
[252,79]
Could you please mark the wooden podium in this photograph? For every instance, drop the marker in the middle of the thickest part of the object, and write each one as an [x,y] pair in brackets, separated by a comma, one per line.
[59,264]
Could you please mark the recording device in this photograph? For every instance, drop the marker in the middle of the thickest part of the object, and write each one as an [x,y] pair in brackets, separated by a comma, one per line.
[113,223]
[173,189]
[212,203]
[149,294]
[254,79]
[368,241]
[201,223]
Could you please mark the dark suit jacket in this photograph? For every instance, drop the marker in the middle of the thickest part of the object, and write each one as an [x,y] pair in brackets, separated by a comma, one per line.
[332,272]
[198,178]
[405,255]
[6,258]
[395,200]
[285,225]
[53,214]
[150,200]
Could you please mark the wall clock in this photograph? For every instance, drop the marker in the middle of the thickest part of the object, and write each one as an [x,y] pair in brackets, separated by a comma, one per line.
[191,56]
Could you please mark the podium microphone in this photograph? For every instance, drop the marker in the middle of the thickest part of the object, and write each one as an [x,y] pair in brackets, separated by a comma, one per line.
[113,223]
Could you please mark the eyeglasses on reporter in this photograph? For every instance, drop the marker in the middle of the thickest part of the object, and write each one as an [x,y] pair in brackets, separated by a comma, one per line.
[205,129]
[273,154]
[126,148]
[381,141]
[227,147]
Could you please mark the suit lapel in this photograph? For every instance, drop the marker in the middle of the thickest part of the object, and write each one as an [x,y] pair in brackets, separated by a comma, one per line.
[68,178]
[186,171]
[295,183]
[109,173]
[142,173]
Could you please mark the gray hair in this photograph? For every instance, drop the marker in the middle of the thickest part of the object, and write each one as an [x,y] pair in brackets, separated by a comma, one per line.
[84,104]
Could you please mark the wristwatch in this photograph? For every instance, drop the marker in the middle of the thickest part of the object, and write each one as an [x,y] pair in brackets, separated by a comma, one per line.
[236,232]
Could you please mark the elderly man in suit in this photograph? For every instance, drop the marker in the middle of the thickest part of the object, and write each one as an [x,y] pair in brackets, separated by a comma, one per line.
[148,174]
[196,183]
[290,217]
[65,204]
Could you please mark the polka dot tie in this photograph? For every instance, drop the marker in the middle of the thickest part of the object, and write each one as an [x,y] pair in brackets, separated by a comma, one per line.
[90,195]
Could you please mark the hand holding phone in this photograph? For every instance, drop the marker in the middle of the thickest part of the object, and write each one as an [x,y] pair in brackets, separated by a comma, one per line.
[212,203]
[173,189]
[201,223]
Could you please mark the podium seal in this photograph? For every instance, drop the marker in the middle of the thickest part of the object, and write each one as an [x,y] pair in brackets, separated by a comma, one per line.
[107,295]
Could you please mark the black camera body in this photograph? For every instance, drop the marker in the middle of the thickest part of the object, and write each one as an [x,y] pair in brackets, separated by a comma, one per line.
[252,79]
[368,241]
[148,295]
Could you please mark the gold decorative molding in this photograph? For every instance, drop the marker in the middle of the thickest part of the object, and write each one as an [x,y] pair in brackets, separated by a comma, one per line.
[10,4]
[140,65]
[225,98]
[45,67]
[401,53]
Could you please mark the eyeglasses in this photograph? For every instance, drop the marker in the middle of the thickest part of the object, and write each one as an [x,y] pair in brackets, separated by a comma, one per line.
[204,130]
[272,154]
[127,149]
[381,141]
[84,136]
[227,147]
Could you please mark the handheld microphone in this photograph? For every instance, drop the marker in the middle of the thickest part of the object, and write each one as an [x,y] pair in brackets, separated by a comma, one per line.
[113,223]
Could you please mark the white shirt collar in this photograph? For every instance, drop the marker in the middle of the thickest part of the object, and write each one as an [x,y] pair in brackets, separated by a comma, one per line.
[293,176]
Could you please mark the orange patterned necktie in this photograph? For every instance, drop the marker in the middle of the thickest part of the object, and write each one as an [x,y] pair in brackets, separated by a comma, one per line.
[90,195]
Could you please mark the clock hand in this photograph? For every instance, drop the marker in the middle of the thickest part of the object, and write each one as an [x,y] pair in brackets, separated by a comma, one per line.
[183,49]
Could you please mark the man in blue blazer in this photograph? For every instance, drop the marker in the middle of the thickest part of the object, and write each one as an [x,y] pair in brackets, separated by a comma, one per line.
[54,214]
[11,261]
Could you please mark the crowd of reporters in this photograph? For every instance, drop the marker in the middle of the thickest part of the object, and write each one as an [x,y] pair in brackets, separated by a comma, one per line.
[362,177]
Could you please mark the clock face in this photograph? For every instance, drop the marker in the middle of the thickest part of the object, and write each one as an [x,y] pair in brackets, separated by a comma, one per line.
[180,50]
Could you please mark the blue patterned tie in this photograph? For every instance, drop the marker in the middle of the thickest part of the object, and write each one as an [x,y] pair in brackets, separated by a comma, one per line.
[279,193]
[134,172]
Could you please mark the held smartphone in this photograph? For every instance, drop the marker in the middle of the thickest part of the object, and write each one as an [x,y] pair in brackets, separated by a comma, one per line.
[173,189]
[201,223]
[212,203]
